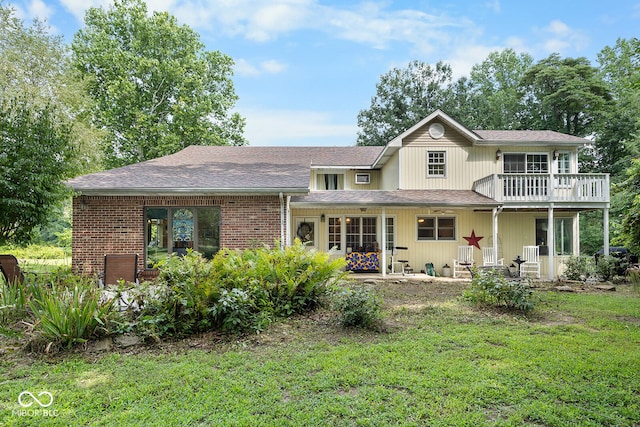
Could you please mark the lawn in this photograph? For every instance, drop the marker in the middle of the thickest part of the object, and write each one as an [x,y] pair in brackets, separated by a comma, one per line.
[439,361]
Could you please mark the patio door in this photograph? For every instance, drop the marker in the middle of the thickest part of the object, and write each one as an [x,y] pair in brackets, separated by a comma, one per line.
[306,229]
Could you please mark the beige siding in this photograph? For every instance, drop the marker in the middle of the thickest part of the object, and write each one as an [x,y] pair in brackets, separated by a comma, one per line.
[391,173]
[421,137]
[464,165]
[350,180]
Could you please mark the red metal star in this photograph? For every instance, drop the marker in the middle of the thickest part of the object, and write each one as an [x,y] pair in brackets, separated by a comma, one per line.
[473,239]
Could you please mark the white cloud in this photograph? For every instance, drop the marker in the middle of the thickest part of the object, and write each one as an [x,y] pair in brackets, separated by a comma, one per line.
[296,127]
[559,37]
[245,68]
[78,7]
[494,5]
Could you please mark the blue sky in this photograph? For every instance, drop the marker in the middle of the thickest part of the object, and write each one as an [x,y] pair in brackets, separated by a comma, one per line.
[305,68]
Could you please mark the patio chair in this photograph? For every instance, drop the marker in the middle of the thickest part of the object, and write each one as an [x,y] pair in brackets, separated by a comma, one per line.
[119,267]
[464,261]
[11,270]
[488,257]
[531,264]
[399,266]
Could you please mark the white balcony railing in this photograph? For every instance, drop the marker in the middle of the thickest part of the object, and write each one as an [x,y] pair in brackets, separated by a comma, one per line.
[545,187]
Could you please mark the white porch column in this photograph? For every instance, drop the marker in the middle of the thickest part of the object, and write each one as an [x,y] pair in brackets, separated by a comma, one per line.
[551,243]
[383,246]
[494,230]
[605,221]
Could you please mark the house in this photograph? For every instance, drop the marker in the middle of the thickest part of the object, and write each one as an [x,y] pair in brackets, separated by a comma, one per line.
[432,189]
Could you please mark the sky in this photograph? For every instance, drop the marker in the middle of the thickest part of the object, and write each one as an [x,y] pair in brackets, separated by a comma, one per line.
[305,68]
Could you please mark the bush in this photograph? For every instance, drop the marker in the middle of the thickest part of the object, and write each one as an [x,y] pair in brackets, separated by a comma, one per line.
[491,288]
[606,267]
[358,306]
[13,301]
[69,313]
[237,291]
[579,268]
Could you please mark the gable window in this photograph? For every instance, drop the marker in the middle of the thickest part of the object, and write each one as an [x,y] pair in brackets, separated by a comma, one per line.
[436,228]
[436,163]
[174,230]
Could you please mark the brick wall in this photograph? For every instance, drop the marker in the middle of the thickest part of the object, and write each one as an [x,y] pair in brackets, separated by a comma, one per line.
[115,224]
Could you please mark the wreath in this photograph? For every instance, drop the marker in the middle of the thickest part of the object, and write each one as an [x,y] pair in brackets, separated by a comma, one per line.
[305,231]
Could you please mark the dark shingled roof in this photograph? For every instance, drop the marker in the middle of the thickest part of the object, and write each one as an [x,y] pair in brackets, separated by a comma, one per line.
[453,198]
[234,169]
[527,135]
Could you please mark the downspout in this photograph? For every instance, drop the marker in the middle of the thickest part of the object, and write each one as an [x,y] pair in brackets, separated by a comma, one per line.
[384,243]
[288,224]
[282,242]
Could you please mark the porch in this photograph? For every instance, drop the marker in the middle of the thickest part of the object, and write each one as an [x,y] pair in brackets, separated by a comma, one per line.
[545,188]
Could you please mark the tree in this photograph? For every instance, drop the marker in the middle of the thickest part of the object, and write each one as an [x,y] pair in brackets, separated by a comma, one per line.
[35,65]
[630,191]
[496,85]
[567,94]
[403,98]
[156,89]
[36,156]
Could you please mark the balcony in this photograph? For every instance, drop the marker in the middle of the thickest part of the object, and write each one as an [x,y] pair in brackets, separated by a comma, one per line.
[534,189]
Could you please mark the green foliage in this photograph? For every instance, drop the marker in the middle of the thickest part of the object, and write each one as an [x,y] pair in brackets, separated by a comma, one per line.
[567,95]
[579,267]
[634,276]
[35,158]
[156,89]
[237,291]
[403,98]
[491,288]
[13,301]
[69,313]
[358,306]
[35,251]
[606,267]
[630,191]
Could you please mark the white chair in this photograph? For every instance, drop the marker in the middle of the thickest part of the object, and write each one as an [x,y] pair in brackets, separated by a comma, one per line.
[464,260]
[531,264]
[488,257]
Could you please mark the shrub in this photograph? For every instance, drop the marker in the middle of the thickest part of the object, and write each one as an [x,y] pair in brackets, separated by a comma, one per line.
[634,275]
[13,301]
[238,310]
[491,288]
[70,313]
[606,267]
[579,268]
[358,306]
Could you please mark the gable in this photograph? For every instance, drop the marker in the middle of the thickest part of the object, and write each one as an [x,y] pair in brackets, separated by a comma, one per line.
[436,132]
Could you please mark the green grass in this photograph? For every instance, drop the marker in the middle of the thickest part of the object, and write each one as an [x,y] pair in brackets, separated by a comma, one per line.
[574,362]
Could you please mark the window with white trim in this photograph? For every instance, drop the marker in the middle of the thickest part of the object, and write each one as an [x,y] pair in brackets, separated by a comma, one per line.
[363,178]
[335,233]
[436,228]
[436,163]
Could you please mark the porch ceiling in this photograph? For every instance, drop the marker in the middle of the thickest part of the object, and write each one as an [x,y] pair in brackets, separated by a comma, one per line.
[450,198]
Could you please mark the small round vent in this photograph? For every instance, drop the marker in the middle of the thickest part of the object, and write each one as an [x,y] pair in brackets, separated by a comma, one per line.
[436,130]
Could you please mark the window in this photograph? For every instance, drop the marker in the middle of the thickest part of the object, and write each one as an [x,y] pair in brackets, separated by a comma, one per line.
[563,235]
[436,163]
[436,228]
[391,233]
[525,186]
[525,163]
[174,230]
[331,181]
[564,167]
[363,178]
[360,233]
[335,233]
